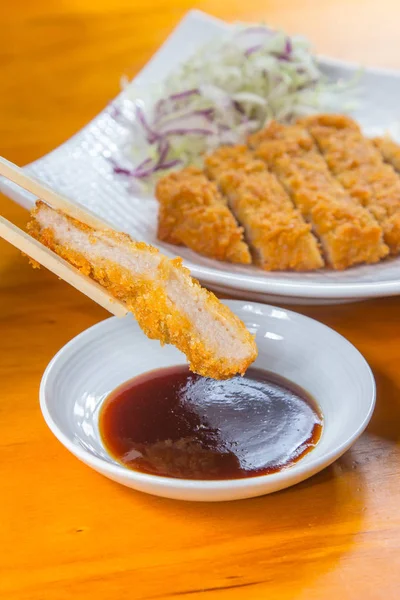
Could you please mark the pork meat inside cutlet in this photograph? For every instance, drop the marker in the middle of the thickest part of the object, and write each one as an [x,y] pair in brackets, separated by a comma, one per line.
[168,304]
[192,212]
[359,167]
[349,234]
[279,237]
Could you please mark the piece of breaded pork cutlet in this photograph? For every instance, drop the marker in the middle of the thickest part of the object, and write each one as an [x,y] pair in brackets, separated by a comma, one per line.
[192,212]
[168,304]
[359,166]
[390,151]
[349,234]
[278,236]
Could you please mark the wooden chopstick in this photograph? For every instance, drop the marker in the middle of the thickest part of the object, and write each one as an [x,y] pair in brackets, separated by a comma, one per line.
[46,257]
[49,259]
[72,209]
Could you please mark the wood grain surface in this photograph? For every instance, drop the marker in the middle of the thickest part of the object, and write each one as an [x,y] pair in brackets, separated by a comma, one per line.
[66,532]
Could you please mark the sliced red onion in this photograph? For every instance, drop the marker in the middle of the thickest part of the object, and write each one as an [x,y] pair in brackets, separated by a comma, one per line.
[118,169]
[287,51]
[184,94]
[145,173]
[249,51]
[143,164]
[150,165]
[122,171]
[163,149]
[159,109]
[151,136]
[202,112]
[159,166]
[190,131]
[114,111]
[288,46]
[169,164]
[195,121]
[209,113]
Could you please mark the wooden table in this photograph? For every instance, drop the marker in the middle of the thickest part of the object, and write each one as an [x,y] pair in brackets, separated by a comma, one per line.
[67,532]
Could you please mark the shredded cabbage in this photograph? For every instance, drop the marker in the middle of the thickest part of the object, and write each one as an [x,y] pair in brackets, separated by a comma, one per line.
[226,90]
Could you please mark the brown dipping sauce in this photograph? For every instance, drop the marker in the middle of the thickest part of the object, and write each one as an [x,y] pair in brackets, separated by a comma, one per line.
[174,423]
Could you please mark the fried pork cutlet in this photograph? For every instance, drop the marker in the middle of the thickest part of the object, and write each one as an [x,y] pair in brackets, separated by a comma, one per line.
[349,234]
[359,167]
[279,237]
[168,304]
[390,151]
[192,212]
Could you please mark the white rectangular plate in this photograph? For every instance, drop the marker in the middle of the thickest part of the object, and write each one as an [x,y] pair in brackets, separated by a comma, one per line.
[80,168]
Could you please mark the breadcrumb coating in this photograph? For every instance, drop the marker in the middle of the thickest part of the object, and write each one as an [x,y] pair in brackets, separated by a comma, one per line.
[168,304]
[348,232]
[390,151]
[192,212]
[279,237]
[359,167]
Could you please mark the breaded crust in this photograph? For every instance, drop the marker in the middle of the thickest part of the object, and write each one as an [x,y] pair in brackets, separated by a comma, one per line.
[390,151]
[348,232]
[359,167]
[278,235]
[192,212]
[156,291]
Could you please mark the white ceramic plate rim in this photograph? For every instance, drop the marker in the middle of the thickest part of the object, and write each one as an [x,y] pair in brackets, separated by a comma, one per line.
[296,472]
[265,283]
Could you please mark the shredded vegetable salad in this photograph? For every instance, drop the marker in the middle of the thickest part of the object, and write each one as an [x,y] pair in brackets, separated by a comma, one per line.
[225,91]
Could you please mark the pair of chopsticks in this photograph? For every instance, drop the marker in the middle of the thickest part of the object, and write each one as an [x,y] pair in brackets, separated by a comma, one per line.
[43,255]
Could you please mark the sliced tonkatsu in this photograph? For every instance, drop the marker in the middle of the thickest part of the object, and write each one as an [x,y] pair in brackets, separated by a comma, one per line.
[168,304]
[360,168]
[193,213]
[279,237]
[349,234]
